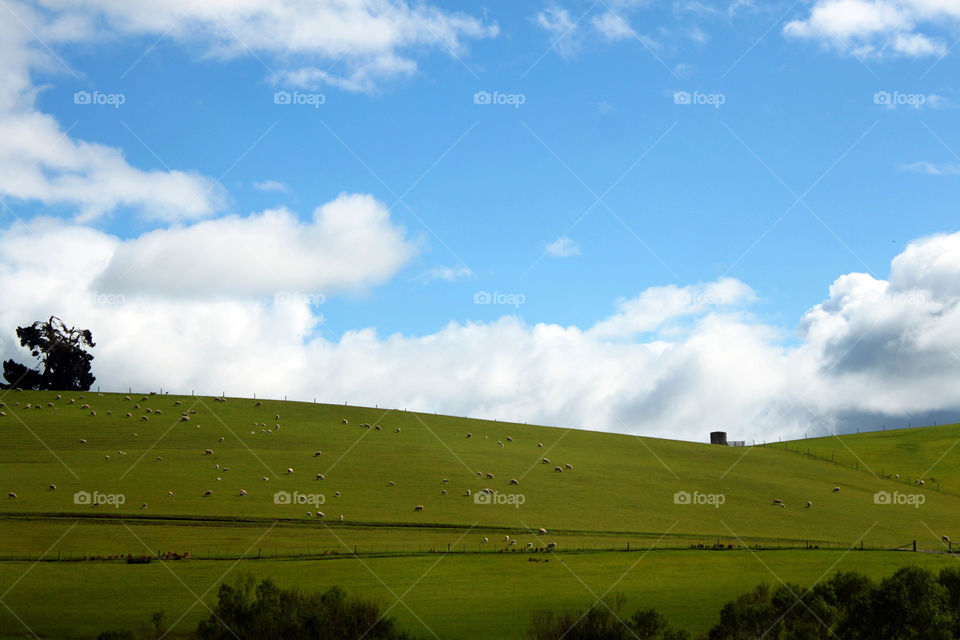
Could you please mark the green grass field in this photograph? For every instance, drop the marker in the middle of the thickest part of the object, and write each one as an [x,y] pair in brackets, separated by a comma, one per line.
[620,491]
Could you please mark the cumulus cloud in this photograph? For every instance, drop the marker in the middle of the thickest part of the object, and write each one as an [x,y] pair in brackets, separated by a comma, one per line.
[271,185]
[671,361]
[350,243]
[366,41]
[877,27]
[563,247]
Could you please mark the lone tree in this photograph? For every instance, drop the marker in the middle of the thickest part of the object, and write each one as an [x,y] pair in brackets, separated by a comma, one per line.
[62,354]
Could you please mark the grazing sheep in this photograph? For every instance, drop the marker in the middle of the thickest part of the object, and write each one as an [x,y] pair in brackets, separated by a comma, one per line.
[12,495]
[159,459]
[558,470]
[134,435]
[106,457]
[3,413]
[265,478]
[289,470]
[53,487]
[83,441]
[513,542]
[144,419]
[391,483]
[242,493]
[484,541]
[541,531]
[321,514]
[208,452]
[551,546]
[529,545]
[897,476]
[277,427]
[58,397]
[149,410]
[128,415]
[127,398]
[185,419]
[540,445]
[809,504]
[136,406]
[71,401]
[158,412]
[143,506]
[946,539]
[177,403]
[345,421]
[490,476]
[378,428]
[777,501]
[509,439]
[469,435]
[921,483]
[506,538]
[499,443]
[221,439]
[341,517]
[782,506]
[50,405]
[259,404]
[514,481]
[545,461]
[317,454]
[568,467]
[207,493]
[398,429]
[468,493]
[93,413]
[443,492]
[320,476]
[309,514]
[169,494]
[836,489]
[337,494]
[419,507]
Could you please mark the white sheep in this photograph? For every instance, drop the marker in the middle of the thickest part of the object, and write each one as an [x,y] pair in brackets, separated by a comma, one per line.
[93,413]
[391,483]
[419,507]
[320,476]
[83,441]
[208,452]
[12,495]
[378,428]
[809,504]
[541,531]
[468,493]
[144,419]
[143,506]
[540,445]
[177,403]
[469,435]
[513,542]
[128,415]
[490,476]
[946,539]
[345,421]
[443,492]
[398,429]
[321,514]
[341,517]
[221,439]
[289,470]
[484,541]
[558,470]
[777,501]
[551,546]
[545,461]
[127,398]
[836,489]
[514,481]
[337,494]
[317,454]
[506,538]
[265,478]
[242,493]
[309,514]
[568,467]
[169,494]
[499,443]
[53,487]
[529,545]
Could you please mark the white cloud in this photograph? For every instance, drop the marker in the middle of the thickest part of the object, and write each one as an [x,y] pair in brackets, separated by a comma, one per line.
[350,243]
[564,31]
[613,26]
[932,169]
[672,361]
[271,185]
[877,27]
[563,247]
[447,274]
[361,42]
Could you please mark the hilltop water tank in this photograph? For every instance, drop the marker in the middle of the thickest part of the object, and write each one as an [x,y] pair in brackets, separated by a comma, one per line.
[718,437]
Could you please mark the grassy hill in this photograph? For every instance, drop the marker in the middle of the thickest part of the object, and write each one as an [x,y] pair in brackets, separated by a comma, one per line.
[620,491]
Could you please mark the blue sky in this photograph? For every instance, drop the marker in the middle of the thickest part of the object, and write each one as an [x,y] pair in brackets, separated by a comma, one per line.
[797,178]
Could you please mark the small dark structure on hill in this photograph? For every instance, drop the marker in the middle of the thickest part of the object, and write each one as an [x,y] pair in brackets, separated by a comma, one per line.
[718,437]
